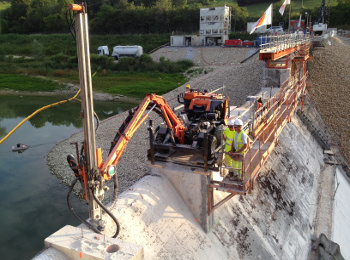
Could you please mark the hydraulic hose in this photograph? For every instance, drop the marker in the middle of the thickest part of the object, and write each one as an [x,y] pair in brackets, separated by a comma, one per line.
[250,56]
[109,213]
[73,212]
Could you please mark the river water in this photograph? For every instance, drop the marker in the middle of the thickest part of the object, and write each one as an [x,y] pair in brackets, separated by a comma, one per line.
[32,200]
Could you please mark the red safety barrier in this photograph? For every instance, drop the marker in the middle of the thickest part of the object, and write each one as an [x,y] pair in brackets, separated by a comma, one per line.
[236,42]
[248,43]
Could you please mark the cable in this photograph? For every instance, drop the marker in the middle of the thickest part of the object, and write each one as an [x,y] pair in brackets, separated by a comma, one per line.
[37,111]
[72,210]
[70,23]
[109,213]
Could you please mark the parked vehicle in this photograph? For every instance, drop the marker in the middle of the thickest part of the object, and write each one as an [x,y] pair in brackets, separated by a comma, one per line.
[275,29]
[102,50]
[127,51]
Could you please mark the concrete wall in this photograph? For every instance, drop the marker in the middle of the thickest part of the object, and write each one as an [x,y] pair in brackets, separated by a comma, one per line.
[274,77]
[192,187]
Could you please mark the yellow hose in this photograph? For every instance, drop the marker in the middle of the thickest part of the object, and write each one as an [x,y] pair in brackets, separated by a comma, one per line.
[37,111]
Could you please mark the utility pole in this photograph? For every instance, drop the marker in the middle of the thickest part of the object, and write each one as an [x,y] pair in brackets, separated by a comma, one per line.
[87,113]
[290,7]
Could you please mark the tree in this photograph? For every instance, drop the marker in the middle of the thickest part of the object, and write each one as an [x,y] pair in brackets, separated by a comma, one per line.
[163,5]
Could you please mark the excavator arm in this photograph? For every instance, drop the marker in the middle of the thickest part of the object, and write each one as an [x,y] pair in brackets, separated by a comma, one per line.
[174,125]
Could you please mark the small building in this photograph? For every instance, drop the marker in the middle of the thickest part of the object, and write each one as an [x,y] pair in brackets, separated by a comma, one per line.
[185,40]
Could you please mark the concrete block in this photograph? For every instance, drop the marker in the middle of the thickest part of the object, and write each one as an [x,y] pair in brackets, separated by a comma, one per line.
[192,185]
[78,244]
[275,77]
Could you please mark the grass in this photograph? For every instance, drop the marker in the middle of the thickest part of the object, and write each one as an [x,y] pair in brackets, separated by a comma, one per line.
[137,84]
[27,83]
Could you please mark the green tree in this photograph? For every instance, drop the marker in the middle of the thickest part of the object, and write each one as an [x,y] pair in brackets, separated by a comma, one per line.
[163,5]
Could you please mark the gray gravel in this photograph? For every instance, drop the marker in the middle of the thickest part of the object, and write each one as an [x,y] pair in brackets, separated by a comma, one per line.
[217,66]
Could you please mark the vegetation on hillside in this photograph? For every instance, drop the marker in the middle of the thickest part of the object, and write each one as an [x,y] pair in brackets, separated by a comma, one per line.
[55,57]
[153,16]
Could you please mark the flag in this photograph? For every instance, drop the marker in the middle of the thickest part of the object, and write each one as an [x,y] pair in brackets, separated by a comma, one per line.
[286,2]
[265,19]
[299,23]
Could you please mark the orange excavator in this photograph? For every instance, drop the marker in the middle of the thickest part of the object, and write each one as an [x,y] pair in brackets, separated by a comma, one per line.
[195,129]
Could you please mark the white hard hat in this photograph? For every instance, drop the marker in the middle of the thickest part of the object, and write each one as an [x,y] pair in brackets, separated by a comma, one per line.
[238,122]
[230,122]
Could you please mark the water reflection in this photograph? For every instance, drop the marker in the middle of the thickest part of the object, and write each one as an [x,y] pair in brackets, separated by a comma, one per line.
[66,114]
[32,201]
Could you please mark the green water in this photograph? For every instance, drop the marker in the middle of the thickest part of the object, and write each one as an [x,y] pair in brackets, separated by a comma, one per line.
[32,200]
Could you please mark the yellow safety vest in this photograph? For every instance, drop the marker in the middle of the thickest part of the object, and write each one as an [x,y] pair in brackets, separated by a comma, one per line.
[229,139]
[238,144]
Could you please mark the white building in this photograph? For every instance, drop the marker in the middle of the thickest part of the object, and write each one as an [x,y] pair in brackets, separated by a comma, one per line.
[214,27]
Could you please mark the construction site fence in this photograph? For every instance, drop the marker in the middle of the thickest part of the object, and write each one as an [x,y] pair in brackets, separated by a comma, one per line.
[276,43]
[272,117]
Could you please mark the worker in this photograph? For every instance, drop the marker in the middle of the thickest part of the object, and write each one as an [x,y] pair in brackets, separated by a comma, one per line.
[228,136]
[188,86]
[239,147]
[260,102]
[259,105]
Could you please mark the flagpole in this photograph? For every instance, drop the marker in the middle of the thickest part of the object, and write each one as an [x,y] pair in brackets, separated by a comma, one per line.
[290,7]
[271,14]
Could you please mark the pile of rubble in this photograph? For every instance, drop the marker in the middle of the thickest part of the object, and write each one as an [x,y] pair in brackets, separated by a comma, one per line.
[330,80]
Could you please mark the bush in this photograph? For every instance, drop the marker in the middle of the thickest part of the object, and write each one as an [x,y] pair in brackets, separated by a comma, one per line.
[146,59]
[127,64]
[38,50]
[102,62]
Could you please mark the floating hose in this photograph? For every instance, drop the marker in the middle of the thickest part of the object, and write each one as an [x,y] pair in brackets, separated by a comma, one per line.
[33,114]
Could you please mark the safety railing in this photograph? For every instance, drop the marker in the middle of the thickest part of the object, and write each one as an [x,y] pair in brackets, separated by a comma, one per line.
[273,116]
[276,43]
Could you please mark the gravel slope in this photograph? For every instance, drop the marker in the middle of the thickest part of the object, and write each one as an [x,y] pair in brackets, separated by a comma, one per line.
[240,80]
[329,76]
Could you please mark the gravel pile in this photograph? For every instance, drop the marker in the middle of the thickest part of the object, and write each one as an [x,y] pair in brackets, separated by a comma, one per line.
[221,66]
[329,76]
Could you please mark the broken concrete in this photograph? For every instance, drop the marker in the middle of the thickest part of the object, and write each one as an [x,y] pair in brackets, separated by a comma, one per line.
[82,243]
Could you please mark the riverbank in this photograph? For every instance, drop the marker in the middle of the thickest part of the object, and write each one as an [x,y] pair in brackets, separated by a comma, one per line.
[69,91]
